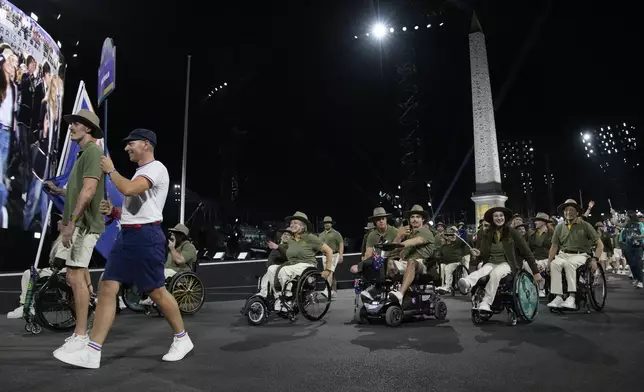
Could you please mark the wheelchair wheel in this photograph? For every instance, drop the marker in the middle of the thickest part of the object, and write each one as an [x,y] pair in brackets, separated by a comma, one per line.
[394,316]
[256,311]
[54,306]
[131,299]
[597,288]
[313,295]
[526,296]
[189,292]
[459,272]
[441,310]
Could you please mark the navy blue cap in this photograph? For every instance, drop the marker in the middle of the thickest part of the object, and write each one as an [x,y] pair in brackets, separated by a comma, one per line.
[142,134]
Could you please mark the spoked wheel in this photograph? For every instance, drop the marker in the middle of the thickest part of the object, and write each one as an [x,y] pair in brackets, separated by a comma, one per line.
[460,272]
[131,299]
[188,291]
[526,296]
[256,311]
[313,295]
[54,307]
[441,310]
[394,316]
[597,288]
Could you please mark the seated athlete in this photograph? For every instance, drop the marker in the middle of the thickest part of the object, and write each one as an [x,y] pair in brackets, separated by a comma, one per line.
[502,251]
[452,251]
[418,247]
[276,258]
[539,242]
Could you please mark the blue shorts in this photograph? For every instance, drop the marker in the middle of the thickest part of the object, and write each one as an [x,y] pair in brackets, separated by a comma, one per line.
[138,257]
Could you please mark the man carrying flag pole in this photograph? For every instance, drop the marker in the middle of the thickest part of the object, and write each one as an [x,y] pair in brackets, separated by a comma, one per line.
[82,222]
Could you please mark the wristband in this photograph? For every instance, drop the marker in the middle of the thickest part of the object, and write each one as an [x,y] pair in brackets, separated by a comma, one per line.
[328,270]
[74,219]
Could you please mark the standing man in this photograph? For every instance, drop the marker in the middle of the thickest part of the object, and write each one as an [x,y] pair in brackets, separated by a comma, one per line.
[139,252]
[334,239]
[82,222]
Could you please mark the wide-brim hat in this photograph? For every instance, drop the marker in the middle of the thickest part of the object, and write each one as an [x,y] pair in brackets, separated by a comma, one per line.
[524,225]
[569,203]
[282,231]
[379,212]
[328,219]
[460,224]
[452,230]
[87,118]
[417,210]
[440,224]
[369,226]
[488,214]
[517,215]
[179,228]
[542,216]
[302,218]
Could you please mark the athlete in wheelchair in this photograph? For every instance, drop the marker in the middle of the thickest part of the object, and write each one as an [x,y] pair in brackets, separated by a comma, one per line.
[451,255]
[501,283]
[299,286]
[569,256]
[384,295]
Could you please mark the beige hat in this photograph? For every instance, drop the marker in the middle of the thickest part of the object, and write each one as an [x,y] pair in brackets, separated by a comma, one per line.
[179,228]
[302,218]
[417,209]
[87,118]
[328,219]
[369,226]
[542,216]
[379,212]
[569,203]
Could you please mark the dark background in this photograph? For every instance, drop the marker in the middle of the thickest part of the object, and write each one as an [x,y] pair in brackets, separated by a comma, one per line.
[317,110]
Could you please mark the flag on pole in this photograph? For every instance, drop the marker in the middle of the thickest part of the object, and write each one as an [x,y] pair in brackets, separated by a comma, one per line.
[106,241]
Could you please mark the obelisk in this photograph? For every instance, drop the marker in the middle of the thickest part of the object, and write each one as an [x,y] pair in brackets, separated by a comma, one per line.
[486,152]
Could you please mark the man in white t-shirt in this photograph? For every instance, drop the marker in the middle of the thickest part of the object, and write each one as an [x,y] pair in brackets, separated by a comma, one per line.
[139,253]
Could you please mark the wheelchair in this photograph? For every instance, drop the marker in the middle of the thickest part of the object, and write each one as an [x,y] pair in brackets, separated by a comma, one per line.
[185,286]
[310,289]
[460,272]
[517,294]
[420,300]
[53,302]
[591,289]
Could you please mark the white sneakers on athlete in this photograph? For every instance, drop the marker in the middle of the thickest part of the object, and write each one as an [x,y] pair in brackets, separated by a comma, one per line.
[73,343]
[180,348]
[85,357]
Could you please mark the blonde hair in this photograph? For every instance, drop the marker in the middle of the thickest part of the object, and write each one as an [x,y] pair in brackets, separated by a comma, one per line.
[51,98]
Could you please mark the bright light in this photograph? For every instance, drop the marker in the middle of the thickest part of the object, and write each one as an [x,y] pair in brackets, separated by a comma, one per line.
[37,235]
[58,17]
[355,36]
[391,30]
[429,25]
[586,136]
[59,44]
[441,24]
[34,17]
[415,27]
[379,30]
[591,151]
[75,55]
[431,223]
[404,28]
[429,204]
[225,84]
[77,43]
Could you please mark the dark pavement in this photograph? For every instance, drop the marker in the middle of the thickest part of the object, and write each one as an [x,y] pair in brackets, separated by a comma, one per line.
[572,352]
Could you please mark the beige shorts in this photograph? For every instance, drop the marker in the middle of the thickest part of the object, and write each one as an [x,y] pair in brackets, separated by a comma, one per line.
[401,266]
[80,253]
[336,257]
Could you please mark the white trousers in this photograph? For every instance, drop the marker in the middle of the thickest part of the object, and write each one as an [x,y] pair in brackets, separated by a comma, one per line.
[447,273]
[496,272]
[168,273]
[565,262]
[289,272]
[466,261]
[267,279]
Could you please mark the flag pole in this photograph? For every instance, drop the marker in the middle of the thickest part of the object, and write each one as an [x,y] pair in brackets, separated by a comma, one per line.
[184,159]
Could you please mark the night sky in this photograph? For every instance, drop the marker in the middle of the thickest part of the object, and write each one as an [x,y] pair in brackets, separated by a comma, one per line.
[318,108]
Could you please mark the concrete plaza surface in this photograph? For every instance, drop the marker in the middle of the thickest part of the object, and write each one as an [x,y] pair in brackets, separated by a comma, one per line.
[571,352]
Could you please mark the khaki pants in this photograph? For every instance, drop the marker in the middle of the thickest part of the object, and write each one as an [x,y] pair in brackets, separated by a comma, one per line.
[447,273]
[401,266]
[466,261]
[168,273]
[26,276]
[267,279]
[565,262]
[80,252]
[289,272]
[336,257]
[496,272]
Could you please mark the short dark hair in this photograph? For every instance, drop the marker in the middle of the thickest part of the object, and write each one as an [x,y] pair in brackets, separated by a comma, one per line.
[30,59]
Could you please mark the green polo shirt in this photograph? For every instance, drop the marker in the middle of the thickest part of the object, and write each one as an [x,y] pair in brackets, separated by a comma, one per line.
[303,250]
[579,237]
[497,255]
[189,253]
[424,251]
[375,237]
[540,244]
[453,252]
[333,238]
[88,165]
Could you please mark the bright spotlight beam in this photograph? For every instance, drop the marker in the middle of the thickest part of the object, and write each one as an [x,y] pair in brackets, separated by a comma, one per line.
[379,30]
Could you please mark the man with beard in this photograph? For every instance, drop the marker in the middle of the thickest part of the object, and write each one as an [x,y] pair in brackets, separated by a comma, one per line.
[573,241]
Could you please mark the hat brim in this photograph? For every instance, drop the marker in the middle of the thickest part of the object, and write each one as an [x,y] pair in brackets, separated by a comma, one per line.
[309,225]
[424,214]
[281,231]
[488,214]
[331,222]
[173,230]
[374,217]
[542,219]
[563,206]
[96,131]
[135,138]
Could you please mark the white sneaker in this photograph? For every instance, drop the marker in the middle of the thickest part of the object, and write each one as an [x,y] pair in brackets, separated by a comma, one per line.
[542,293]
[639,285]
[121,303]
[483,307]
[72,344]
[146,302]
[278,305]
[395,295]
[179,349]
[17,313]
[86,357]
[569,303]
[464,285]
[445,289]
[556,303]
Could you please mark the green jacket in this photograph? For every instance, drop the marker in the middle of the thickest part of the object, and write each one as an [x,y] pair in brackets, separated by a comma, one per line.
[515,247]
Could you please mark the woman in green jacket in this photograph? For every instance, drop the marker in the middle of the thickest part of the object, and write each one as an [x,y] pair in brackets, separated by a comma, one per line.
[502,251]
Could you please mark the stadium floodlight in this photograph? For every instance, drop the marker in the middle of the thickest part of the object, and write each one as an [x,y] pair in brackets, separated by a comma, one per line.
[379,30]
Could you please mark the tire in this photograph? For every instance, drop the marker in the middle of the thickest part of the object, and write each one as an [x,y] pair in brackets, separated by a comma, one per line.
[597,301]
[189,292]
[394,316]
[55,294]
[131,299]
[459,272]
[312,286]
[441,310]
[526,296]
[256,312]
[364,317]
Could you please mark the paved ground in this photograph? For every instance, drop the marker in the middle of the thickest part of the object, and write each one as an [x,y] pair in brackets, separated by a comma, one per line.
[575,352]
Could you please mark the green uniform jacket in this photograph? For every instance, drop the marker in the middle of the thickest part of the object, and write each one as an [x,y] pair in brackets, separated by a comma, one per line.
[515,247]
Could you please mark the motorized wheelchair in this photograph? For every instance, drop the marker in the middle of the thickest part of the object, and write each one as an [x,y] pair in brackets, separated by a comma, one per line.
[185,286]
[311,289]
[53,302]
[517,294]
[420,300]
[591,288]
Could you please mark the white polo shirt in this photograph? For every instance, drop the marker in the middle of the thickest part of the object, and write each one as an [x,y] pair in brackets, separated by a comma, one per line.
[147,207]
